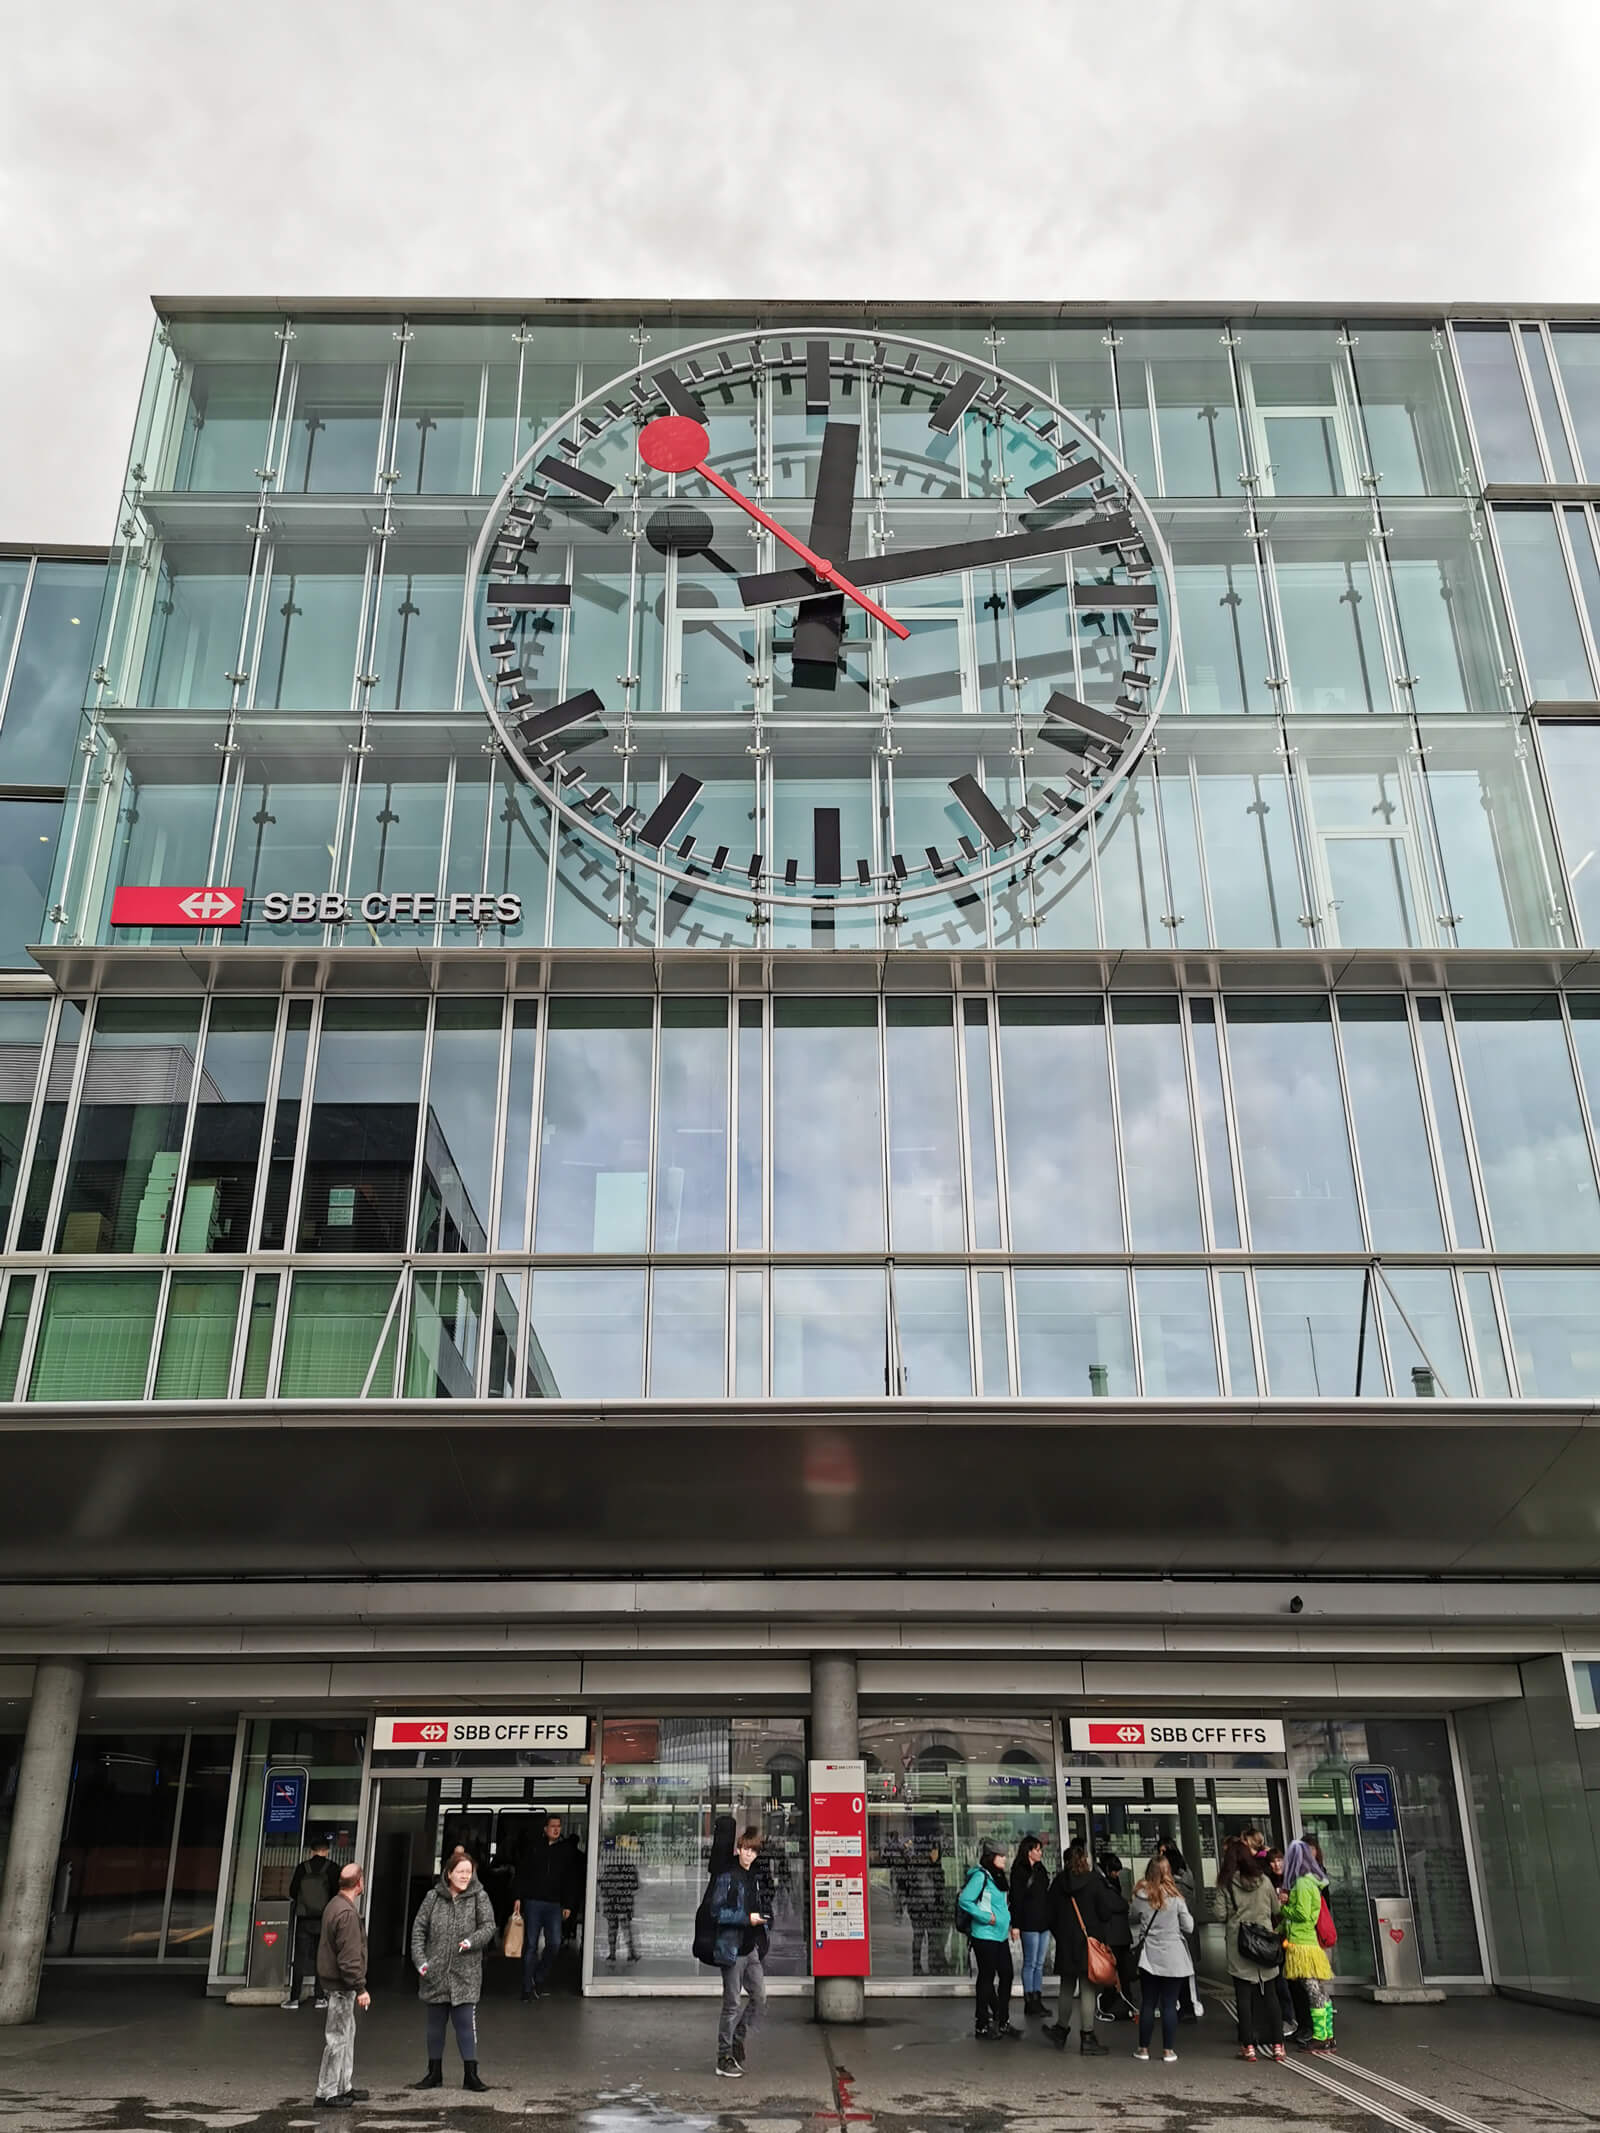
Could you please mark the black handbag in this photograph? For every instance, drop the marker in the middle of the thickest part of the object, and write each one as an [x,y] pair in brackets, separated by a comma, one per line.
[1257,1944]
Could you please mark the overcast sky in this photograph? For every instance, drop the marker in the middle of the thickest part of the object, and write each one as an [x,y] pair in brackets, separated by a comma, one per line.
[991,149]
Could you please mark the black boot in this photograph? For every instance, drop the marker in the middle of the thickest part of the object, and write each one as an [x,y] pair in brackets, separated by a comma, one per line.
[1058,2033]
[433,2078]
[469,2076]
[1089,2042]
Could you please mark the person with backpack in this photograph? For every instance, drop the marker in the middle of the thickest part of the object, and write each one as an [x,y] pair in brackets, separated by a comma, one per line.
[983,1910]
[1252,1925]
[732,1927]
[1307,1937]
[312,1887]
[1030,1913]
[1077,1916]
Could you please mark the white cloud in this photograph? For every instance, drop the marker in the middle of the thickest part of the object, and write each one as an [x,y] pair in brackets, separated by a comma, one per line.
[1057,149]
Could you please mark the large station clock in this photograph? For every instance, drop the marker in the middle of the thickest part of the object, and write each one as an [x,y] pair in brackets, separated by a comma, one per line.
[818,507]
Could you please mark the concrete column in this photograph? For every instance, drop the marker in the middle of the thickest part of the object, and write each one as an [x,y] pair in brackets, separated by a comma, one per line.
[42,1785]
[836,1738]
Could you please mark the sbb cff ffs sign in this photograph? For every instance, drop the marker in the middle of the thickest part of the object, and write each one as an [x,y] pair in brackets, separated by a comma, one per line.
[177,907]
[1155,1736]
[496,1731]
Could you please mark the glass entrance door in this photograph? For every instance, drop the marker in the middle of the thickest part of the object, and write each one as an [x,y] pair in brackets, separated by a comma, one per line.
[1130,1813]
[416,1824]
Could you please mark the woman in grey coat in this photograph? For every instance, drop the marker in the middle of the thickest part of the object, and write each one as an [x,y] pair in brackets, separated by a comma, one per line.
[1246,1897]
[1163,1926]
[453,1926]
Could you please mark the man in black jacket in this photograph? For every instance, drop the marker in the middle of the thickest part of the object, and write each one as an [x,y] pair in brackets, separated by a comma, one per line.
[312,1887]
[546,1895]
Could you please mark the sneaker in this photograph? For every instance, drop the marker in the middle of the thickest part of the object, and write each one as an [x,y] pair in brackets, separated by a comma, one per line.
[729,2066]
[1169,2058]
[984,2033]
[320,2003]
[1248,2051]
[1290,2032]
[1008,2030]
[1139,2052]
[1280,2055]
[294,2003]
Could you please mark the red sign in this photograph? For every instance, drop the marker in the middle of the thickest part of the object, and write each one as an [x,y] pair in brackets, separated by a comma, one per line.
[839,1870]
[1116,1733]
[177,907]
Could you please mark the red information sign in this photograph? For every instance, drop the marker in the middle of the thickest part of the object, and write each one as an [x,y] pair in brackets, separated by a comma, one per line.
[839,1870]
[177,907]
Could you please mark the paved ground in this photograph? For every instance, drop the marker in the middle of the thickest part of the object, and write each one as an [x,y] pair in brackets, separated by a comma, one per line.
[153,2056]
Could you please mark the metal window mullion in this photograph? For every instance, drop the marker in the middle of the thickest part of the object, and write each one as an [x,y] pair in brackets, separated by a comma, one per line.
[1282,697]
[88,749]
[69,1125]
[1445,917]
[353,787]
[186,1138]
[1466,400]
[253,622]
[172,1848]
[275,1058]
[1430,1125]
[303,1124]
[233,784]
[1343,1073]
[1197,1139]
[1530,397]
[1452,393]
[389,420]
[56,1007]
[1575,1068]
[284,390]
[1469,1129]
[1492,532]
[1134,1329]
[1580,604]
[1314,917]
[969,1222]
[1232,342]
[1230,1119]
[1219,1344]
[375,583]
[653,1126]
[1387,612]
[502,1119]
[1563,404]
[16,638]
[158,1330]
[886,1184]
[991,1023]
[1544,794]
[483,424]
[1155,426]
[248,1278]
[413,1240]
[395,1312]
[541,1039]
[1114,1091]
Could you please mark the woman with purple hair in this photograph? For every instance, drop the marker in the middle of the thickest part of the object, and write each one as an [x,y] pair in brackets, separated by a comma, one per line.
[1305,1961]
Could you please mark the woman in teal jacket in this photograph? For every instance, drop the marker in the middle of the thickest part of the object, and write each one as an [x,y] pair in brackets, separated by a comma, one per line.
[987,1904]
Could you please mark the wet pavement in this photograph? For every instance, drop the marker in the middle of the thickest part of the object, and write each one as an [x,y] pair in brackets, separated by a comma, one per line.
[147,2055]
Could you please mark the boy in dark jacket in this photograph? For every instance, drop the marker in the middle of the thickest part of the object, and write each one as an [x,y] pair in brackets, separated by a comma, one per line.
[736,1900]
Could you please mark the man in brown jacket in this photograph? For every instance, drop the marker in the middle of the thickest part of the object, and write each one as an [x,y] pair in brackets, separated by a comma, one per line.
[342,1975]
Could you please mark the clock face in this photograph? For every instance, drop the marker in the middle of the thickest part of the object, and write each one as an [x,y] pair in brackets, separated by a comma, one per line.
[823,618]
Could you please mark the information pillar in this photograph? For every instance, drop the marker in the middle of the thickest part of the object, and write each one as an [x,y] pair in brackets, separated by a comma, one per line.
[839,1870]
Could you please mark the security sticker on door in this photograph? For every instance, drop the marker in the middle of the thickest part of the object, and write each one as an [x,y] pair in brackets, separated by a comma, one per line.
[494,1731]
[1155,1736]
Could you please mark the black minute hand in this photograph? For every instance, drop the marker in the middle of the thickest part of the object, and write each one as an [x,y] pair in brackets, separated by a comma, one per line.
[776,588]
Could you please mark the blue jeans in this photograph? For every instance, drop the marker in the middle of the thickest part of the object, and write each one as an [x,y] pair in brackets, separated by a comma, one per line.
[540,1921]
[1159,1992]
[1033,1947]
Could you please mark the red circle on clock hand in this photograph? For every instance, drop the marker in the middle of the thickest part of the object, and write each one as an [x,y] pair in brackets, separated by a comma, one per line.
[674,444]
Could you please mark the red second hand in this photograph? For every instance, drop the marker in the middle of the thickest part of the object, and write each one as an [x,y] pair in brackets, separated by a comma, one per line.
[676,444]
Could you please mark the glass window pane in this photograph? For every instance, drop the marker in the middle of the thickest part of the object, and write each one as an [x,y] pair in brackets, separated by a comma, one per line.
[52,1120]
[1427,1356]
[829,1333]
[1176,389]
[749,1334]
[930,1305]
[22,1028]
[197,1337]
[594,1143]
[1246,835]
[827,1127]
[1295,1153]
[94,1337]
[1494,1381]
[1448,1123]
[586,1334]
[334,435]
[197,1862]
[980,1125]
[1177,1344]
[1493,834]
[1572,758]
[1396,1171]
[1157,1135]
[310,623]
[1319,1333]
[1532,1149]
[445,1337]
[1544,396]
[225,1142]
[1409,409]
[398,830]
[752,1111]
[286,1127]
[1225,661]
[258,1336]
[436,437]
[117,1845]
[1541,600]
[341,1328]
[993,1359]
[226,425]
[688,1333]
[1451,621]
[288,823]
[363,1132]
[925,1213]
[1555,1330]
[124,1165]
[39,733]
[1578,359]
[692,1128]
[519,1127]
[1330,626]
[197,614]
[1061,1166]
[1499,405]
[505,1335]
[458,1138]
[1074,1333]
[1234,1290]
[418,643]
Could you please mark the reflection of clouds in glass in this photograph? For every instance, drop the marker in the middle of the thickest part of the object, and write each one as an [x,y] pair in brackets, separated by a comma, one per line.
[1555,1330]
[1060,1153]
[1296,1156]
[1402,1206]
[827,1174]
[1157,1140]
[688,1334]
[1176,1341]
[594,1140]
[1311,1333]
[1536,1167]
[935,1341]
[1070,1324]
[586,1340]
[829,1333]
[924,1137]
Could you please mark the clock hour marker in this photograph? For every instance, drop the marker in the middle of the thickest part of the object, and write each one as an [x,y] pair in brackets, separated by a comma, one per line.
[572,711]
[518,594]
[819,389]
[825,867]
[1094,597]
[575,479]
[954,404]
[1104,725]
[678,396]
[1070,477]
[670,810]
[991,825]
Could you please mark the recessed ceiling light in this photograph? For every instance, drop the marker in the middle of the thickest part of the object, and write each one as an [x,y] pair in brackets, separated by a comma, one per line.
[74,622]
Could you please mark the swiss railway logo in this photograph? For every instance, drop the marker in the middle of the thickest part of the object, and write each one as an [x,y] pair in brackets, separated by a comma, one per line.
[1123,1734]
[177,907]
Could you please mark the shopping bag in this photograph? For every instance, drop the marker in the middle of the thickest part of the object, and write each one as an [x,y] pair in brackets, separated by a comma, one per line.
[512,1943]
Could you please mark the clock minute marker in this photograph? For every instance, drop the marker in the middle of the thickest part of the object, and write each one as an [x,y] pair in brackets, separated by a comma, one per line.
[952,405]
[819,385]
